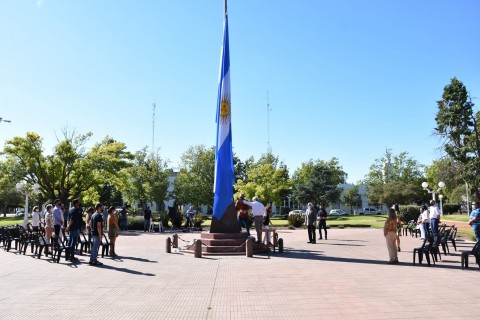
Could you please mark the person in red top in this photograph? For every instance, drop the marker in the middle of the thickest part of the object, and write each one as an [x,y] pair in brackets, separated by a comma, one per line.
[242,213]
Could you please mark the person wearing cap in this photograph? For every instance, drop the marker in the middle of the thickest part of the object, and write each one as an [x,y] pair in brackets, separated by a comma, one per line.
[258,210]
[474,220]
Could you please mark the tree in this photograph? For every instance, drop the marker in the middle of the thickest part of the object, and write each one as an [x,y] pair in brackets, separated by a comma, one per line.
[458,127]
[146,180]
[449,171]
[70,170]
[322,180]
[267,179]
[352,198]
[8,178]
[194,183]
[395,178]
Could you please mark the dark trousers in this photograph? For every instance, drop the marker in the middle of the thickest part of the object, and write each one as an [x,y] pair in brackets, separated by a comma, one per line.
[72,242]
[434,227]
[56,230]
[246,221]
[322,224]
[426,226]
[312,235]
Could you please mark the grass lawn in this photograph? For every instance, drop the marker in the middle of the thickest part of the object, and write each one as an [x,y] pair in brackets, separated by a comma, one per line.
[337,221]
[455,217]
[10,221]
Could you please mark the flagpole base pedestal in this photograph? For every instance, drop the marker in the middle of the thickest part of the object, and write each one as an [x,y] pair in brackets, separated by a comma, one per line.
[228,223]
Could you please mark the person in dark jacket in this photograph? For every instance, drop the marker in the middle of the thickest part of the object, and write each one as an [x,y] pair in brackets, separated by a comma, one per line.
[311,221]
[322,222]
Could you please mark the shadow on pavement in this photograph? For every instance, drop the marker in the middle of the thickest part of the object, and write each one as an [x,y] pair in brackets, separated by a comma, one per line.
[312,255]
[340,244]
[121,258]
[138,273]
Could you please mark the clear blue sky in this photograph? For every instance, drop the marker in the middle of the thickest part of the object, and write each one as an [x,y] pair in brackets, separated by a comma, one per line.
[346,79]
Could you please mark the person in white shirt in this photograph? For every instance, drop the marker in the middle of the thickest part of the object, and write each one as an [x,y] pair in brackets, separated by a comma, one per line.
[35,219]
[258,210]
[424,222]
[434,219]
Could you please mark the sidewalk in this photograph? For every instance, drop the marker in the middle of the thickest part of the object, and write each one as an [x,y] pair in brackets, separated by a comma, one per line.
[345,277]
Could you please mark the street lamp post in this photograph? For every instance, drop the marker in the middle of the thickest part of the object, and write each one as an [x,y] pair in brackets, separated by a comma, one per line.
[23,188]
[441,185]
[3,120]
[440,196]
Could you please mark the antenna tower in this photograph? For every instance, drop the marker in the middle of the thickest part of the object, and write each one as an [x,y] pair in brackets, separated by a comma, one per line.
[153,128]
[269,148]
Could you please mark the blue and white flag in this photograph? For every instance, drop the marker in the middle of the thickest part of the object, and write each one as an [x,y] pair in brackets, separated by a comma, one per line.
[224,178]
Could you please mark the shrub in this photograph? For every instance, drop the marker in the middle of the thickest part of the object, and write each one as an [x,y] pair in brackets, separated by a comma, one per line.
[135,223]
[408,213]
[178,219]
[296,220]
[451,208]
[198,219]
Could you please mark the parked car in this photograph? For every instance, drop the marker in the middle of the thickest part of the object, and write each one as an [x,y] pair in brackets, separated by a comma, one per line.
[338,212]
[21,212]
[297,212]
[366,211]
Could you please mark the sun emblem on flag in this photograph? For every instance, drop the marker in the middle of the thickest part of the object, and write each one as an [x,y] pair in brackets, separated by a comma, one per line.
[225,110]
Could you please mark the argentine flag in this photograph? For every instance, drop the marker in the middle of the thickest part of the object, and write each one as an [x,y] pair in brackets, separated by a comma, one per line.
[224,178]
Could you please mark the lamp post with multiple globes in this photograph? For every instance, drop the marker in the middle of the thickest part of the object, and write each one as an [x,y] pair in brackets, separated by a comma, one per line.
[24,188]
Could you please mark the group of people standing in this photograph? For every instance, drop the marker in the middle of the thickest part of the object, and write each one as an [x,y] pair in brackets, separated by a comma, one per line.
[312,215]
[261,216]
[54,220]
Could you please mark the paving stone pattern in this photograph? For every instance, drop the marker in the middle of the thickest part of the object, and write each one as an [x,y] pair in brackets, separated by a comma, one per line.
[345,277]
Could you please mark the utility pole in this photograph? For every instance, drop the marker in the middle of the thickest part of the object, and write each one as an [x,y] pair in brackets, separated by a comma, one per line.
[153,128]
[269,148]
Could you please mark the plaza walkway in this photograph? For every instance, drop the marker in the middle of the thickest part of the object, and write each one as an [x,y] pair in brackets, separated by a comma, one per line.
[344,277]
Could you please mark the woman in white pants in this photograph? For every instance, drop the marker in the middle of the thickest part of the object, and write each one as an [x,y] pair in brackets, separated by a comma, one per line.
[422,220]
[390,233]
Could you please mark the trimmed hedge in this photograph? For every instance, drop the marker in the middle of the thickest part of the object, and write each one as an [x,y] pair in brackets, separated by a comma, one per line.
[408,213]
[451,208]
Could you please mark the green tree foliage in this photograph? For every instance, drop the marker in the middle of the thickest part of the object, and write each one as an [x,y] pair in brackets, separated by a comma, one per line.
[318,182]
[395,179]
[8,178]
[352,198]
[146,180]
[194,183]
[70,170]
[267,179]
[458,126]
[450,172]
[401,193]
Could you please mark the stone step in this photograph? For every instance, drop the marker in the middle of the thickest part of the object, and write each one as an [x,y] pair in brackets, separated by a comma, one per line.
[233,253]
[223,242]
[240,235]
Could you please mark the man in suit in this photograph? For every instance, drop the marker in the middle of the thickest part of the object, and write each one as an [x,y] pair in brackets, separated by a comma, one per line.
[311,221]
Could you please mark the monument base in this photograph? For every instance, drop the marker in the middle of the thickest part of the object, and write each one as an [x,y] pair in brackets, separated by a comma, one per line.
[228,223]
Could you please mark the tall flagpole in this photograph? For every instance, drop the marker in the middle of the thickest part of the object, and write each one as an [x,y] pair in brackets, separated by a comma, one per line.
[225,6]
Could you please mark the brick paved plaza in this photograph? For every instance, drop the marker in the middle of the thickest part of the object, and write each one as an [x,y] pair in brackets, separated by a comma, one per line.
[345,277]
